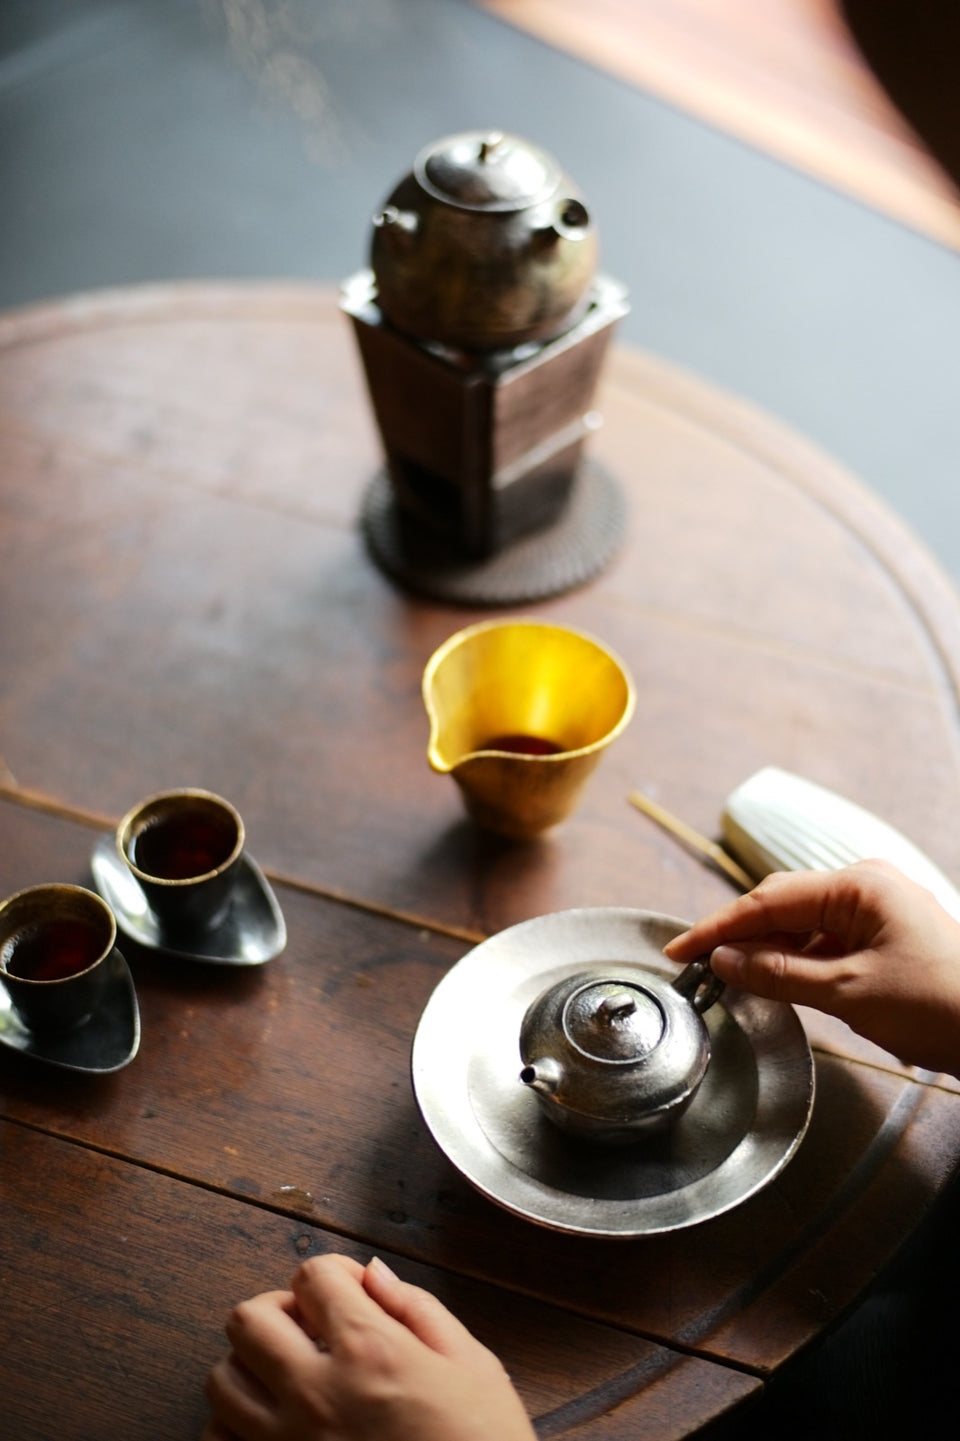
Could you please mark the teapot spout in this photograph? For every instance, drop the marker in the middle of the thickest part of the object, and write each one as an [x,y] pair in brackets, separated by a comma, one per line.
[542,1076]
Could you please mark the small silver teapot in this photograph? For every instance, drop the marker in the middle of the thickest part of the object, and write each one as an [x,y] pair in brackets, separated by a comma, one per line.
[616,1055]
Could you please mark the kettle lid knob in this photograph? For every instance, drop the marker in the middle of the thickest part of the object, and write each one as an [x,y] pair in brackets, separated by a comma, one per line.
[487,170]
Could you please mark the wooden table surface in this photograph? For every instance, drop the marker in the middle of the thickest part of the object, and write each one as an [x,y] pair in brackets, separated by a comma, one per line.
[186,599]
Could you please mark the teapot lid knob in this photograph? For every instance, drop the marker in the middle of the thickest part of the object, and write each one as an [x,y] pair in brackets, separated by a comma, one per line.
[490,144]
[621,1003]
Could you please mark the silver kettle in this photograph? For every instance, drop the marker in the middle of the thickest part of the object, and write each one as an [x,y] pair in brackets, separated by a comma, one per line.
[616,1053]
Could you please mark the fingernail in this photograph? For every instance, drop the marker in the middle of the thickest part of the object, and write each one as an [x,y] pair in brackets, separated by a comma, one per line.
[382,1269]
[727,962]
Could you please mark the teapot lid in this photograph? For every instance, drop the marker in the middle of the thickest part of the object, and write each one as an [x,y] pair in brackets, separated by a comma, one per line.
[486,170]
[611,1020]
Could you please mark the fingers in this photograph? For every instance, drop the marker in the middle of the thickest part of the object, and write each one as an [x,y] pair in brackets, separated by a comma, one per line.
[780,975]
[331,1299]
[797,902]
[335,1293]
[269,1341]
[420,1312]
[239,1402]
[782,902]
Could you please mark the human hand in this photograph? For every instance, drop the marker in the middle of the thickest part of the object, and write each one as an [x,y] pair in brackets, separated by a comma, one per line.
[862,943]
[356,1354]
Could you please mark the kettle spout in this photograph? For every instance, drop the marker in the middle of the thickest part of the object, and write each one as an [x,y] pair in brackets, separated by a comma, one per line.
[400,226]
[542,1076]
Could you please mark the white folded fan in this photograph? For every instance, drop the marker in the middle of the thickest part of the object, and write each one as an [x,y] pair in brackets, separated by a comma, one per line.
[777,821]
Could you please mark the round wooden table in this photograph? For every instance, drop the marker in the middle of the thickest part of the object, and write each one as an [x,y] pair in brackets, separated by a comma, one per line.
[187,600]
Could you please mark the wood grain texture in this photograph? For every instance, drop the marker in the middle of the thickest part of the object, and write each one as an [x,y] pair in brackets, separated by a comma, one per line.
[789,78]
[288,1086]
[186,600]
[186,586]
[127,1276]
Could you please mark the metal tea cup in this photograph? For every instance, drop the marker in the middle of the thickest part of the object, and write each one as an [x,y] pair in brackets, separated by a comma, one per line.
[54,943]
[183,847]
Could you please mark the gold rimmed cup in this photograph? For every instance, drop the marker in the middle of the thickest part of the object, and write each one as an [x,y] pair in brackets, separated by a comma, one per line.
[183,847]
[55,941]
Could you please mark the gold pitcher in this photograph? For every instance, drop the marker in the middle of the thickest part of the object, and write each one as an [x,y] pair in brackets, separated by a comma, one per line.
[520,713]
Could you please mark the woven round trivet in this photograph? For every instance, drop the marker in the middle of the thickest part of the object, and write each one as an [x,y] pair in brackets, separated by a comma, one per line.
[561,556]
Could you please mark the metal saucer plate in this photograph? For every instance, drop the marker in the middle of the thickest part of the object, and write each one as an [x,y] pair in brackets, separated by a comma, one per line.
[107,1041]
[253,930]
[746,1121]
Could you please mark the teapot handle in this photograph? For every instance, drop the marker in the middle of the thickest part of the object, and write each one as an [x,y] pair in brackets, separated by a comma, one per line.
[698,985]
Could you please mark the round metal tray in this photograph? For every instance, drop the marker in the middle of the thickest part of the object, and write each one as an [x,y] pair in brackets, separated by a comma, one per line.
[744,1124]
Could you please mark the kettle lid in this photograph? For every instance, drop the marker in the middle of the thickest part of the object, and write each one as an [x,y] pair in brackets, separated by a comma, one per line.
[487,170]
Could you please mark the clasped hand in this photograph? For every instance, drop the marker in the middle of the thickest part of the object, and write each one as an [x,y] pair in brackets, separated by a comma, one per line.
[353,1353]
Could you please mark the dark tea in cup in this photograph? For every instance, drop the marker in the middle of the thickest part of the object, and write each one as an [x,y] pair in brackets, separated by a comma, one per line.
[184,848]
[180,846]
[54,940]
[52,951]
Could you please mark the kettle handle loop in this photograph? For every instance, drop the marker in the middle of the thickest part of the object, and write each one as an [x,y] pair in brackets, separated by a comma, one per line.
[698,985]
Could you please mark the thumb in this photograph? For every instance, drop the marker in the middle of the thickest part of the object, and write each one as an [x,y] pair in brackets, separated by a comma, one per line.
[775,974]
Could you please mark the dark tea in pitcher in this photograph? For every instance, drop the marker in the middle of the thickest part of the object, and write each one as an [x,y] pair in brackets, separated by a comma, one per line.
[184,844]
[523,745]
